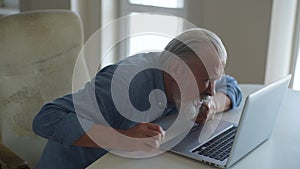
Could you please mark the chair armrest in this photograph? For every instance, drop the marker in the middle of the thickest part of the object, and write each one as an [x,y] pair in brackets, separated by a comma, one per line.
[9,160]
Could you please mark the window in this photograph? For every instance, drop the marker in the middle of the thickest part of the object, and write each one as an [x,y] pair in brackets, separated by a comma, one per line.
[141,13]
[150,40]
[296,84]
[160,3]
[296,59]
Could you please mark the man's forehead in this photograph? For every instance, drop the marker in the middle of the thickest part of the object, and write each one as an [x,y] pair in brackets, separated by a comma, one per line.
[209,68]
[209,76]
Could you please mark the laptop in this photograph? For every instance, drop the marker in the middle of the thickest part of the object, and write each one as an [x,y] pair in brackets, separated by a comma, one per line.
[230,142]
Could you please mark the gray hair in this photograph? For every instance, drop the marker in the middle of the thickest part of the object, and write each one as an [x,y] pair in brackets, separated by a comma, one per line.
[217,42]
[188,41]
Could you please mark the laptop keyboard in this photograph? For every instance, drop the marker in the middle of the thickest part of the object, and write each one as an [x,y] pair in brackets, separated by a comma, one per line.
[219,147]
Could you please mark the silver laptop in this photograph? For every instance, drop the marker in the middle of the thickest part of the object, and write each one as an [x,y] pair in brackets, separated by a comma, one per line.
[231,142]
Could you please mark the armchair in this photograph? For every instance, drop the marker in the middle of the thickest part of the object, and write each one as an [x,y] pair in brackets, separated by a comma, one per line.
[38,50]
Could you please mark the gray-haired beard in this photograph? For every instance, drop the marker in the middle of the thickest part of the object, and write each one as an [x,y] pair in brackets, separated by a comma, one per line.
[190,109]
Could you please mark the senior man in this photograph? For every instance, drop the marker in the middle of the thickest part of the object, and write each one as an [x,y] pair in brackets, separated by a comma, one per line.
[125,97]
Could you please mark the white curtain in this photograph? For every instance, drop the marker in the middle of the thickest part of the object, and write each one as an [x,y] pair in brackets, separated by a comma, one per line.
[90,13]
[281,40]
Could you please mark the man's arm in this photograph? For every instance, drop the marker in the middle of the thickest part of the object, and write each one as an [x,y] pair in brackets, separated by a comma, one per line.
[57,121]
[230,88]
[88,118]
[144,136]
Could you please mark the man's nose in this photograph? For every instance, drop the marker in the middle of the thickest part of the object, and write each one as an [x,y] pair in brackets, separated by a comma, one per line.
[211,89]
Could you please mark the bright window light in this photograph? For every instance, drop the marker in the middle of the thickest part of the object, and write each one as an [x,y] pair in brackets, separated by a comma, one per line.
[137,44]
[296,84]
[160,3]
[151,41]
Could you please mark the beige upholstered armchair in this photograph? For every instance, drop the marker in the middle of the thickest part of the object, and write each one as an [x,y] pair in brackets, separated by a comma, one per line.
[38,50]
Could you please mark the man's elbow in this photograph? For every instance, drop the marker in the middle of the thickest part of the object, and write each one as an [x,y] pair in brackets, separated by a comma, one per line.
[37,124]
[43,123]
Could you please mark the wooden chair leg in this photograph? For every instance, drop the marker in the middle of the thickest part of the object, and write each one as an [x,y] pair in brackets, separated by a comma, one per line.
[10,160]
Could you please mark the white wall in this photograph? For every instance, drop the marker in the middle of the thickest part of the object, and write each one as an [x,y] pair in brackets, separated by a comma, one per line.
[257,53]
[258,35]
[244,27]
[27,5]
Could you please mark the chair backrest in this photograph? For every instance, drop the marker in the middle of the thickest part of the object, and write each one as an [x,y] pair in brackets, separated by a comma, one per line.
[38,51]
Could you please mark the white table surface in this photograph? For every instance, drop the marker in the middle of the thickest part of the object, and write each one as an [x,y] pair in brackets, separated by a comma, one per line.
[281,151]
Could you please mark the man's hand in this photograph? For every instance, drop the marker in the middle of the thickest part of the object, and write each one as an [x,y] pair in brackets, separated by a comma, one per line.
[207,111]
[218,103]
[142,137]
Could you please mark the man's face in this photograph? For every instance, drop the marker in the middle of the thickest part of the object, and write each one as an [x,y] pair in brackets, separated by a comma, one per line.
[205,76]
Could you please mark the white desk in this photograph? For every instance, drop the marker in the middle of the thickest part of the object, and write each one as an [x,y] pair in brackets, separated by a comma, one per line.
[282,150]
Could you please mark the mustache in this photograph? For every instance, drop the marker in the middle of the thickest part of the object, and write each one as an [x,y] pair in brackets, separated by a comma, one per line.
[201,100]
[191,108]
[197,102]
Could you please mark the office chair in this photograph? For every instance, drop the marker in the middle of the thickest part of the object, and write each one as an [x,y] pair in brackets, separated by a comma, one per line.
[38,50]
